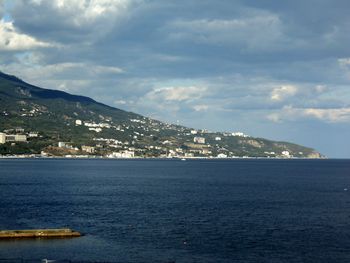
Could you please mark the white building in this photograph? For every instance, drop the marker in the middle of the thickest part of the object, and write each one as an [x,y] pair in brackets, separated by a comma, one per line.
[33,134]
[78,122]
[179,150]
[95,129]
[286,154]
[12,138]
[194,132]
[217,138]
[239,134]
[222,155]
[90,124]
[205,151]
[123,154]
[2,138]
[16,138]
[88,149]
[199,140]
[20,138]
[105,125]
[61,144]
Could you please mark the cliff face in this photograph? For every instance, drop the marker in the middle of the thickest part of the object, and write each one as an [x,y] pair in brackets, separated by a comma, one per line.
[315,155]
[78,120]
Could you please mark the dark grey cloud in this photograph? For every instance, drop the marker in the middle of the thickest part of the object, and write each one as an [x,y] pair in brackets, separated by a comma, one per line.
[68,21]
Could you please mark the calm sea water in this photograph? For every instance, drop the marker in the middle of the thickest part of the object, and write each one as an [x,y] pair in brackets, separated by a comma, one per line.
[171,210]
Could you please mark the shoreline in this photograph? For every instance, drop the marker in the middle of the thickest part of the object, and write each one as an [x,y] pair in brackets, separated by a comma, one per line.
[158,158]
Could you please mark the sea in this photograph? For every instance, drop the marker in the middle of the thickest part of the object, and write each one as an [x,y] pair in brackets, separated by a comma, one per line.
[240,210]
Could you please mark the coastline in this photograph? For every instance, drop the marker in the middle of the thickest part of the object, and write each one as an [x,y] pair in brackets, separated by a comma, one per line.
[156,158]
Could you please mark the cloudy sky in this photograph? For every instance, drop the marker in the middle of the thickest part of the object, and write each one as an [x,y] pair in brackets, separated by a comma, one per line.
[274,69]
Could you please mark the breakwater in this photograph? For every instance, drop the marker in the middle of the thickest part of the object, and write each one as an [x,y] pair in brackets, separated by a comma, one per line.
[39,233]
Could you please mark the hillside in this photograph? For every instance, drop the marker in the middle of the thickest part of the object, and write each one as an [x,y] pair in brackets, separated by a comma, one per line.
[47,117]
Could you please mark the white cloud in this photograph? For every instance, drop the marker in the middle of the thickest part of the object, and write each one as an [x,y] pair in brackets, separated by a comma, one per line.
[80,12]
[201,107]
[61,70]
[105,69]
[168,58]
[283,92]
[177,93]
[120,102]
[73,86]
[11,39]
[274,117]
[321,88]
[330,115]
[288,113]
[344,62]
[169,101]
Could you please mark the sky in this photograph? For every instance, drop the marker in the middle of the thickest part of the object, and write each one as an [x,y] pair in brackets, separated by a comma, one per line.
[273,69]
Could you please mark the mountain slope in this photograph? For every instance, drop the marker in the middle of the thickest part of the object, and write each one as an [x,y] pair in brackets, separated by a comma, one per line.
[78,120]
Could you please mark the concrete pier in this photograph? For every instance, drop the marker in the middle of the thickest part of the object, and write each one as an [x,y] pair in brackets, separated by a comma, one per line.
[39,233]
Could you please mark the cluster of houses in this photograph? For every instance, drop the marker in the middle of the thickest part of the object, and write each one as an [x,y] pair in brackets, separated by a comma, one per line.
[194,142]
[122,154]
[84,148]
[16,135]
[126,153]
[166,148]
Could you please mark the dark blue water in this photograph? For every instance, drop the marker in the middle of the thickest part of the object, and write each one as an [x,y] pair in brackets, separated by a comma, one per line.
[170,210]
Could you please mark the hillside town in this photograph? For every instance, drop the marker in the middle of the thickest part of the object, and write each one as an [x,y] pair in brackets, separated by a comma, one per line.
[37,122]
[137,140]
